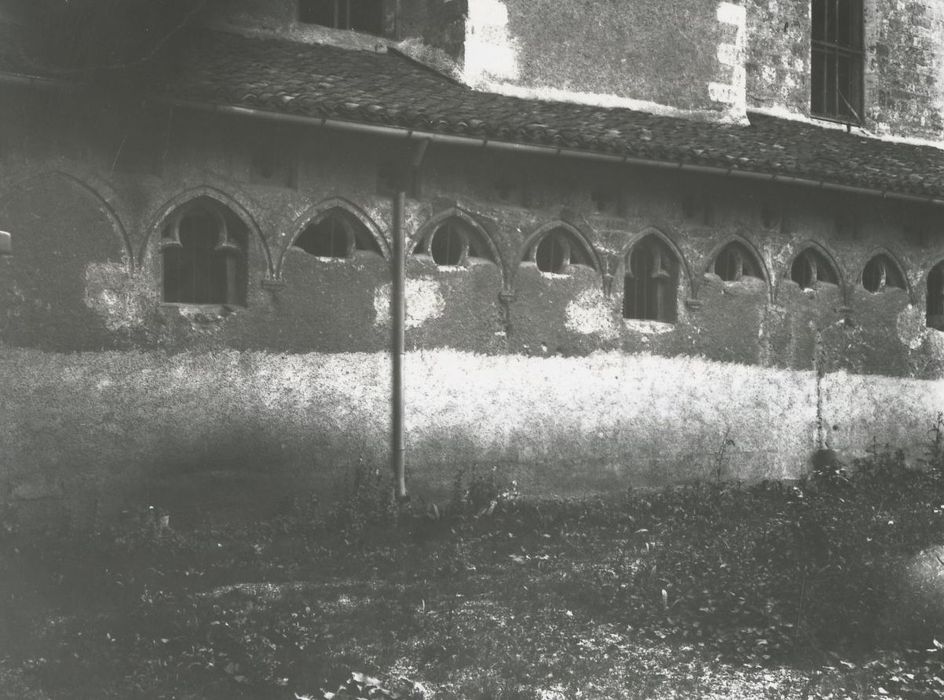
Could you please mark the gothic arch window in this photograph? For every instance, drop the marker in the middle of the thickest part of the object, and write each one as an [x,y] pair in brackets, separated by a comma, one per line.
[935,300]
[204,255]
[880,273]
[336,234]
[650,284]
[557,249]
[454,242]
[736,261]
[811,267]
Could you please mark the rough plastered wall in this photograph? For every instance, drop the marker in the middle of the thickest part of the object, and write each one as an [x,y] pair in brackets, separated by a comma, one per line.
[88,434]
[903,63]
[684,55]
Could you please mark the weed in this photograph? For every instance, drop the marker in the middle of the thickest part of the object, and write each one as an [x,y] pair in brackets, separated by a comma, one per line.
[370,503]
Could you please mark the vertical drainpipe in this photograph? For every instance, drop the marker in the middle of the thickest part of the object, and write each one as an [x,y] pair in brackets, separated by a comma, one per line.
[398,312]
[408,177]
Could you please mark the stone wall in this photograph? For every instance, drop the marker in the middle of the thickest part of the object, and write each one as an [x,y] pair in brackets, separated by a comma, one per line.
[87,434]
[538,373]
[904,63]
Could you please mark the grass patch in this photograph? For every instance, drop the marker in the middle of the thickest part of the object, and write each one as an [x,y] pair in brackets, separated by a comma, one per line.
[708,590]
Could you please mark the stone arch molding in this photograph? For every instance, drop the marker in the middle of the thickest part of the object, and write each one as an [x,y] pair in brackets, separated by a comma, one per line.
[896,259]
[758,258]
[317,211]
[581,238]
[822,250]
[96,189]
[430,226]
[239,208]
[685,269]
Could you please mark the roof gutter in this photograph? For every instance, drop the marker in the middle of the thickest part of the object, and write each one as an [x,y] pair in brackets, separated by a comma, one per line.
[480,142]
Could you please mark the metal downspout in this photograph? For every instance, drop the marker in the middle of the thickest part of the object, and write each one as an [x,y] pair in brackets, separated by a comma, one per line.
[398,349]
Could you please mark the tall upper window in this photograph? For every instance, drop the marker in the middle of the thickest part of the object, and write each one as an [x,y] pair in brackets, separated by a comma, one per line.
[836,60]
[204,256]
[650,287]
[359,15]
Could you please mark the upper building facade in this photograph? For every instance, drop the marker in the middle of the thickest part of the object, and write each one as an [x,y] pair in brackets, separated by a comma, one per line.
[877,65]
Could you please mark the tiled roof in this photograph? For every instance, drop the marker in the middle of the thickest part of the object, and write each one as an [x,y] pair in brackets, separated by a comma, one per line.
[386,89]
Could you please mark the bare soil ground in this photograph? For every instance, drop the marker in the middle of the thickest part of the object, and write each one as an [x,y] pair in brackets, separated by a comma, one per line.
[701,591]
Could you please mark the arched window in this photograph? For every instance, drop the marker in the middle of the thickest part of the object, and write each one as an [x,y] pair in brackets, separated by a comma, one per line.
[453,243]
[336,234]
[881,273]
[650,286]
[557,249]
[204,256]
[736,261]
[935,300]
[810,267]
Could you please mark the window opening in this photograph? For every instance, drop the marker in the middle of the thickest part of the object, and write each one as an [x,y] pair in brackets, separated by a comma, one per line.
[811,267]
[552,253]
[359,15]
[836,59]
[880,273]
[453,242]
[449,244]
[336,235]
[204,259]
[935,300]
[557,250]
[650,286]
[734,262]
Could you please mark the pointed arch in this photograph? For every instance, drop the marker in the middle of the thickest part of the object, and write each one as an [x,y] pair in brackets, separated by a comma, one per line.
[97,190]
[238,208]
[745,245]
[581,245]
[684,268]
[814,255]
[651,267]
[888,259]
[424,235]
[319,211]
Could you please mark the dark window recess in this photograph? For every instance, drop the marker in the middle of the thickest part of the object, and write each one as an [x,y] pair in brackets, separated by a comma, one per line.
[881,273]
[359,15]
[811,267]
[650,286]
[836,59]
[935,300]
[552,253]
[558,249]
[204,259]
[336,235]
[453,243]
[736,261]
[449,244]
